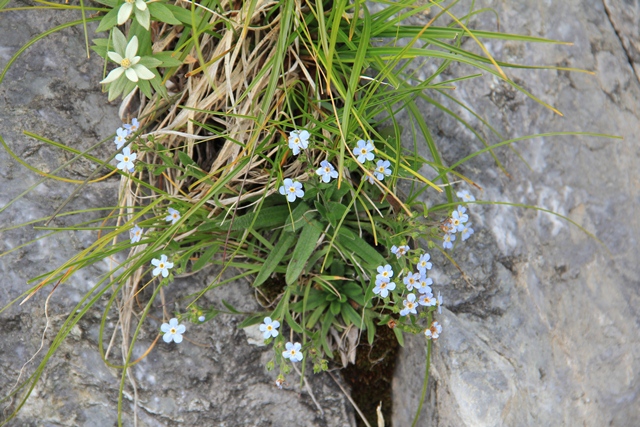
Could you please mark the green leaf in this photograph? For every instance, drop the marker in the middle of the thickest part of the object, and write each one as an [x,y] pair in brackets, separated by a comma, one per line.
[267,218]
[205,257]
[359,247]
[150,62]
[169,59]
[119,42]
[371,327]
[313,319]
[110,3]
[274,258]
[349,315]
[230,307]
[302,214]
[303,250]
[145,87]
[108,21]
[251,320]
[183,15]
[292,323]
[335,211]
[399,336]
[335,307]
[162,13]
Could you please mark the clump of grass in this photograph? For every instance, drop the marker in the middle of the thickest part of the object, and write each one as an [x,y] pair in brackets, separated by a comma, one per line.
[265,143]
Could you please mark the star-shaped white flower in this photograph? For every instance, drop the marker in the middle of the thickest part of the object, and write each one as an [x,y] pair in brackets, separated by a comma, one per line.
[128,63]
[136,234]
[173,216]
[142,13]
[162,266]
[172,331]
[126,159]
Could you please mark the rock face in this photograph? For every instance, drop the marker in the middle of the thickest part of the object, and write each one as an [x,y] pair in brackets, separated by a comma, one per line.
[216,379]
[548,332]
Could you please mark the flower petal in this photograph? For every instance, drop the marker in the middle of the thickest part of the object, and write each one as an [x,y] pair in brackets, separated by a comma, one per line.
[177,338]
[131,75]
[113,75]
[167,337]
[124,13]
[115,57]
[140,4]
[143,72]
[165,327]
[181,329]
[173,322]
[132,48]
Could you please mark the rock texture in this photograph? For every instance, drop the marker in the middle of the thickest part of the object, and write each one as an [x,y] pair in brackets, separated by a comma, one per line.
[217,378]
[548,331]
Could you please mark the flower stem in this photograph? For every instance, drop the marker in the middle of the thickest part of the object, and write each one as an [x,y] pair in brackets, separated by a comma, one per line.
[426,377]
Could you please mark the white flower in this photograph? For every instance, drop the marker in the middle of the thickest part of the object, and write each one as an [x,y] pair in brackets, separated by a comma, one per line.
[409,305]
[427,299]
[382,169]
[398,251]
[133,127]
[364,151]
[434,331]
[411,280]
[142,14]
[327,171]
[270,327]
[384,272]
[465,196]
[291,189]
[172,331]
[298,140]
[383,286]
[135,233]
[424,264]
[173,216]
[447,240]
[424,285]
[126,159]
[162,266]
[292,352]
[121,137]
[128,64]
[467,231]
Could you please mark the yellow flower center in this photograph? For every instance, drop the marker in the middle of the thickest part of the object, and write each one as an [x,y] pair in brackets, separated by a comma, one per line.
[173,330]
[363,151]
[383,285]
[175,215]
[269,328]
[292,189]
[125,159]
[125,63]
[410,305]
[161,265]
[327,170]
[296,141]
[130,1]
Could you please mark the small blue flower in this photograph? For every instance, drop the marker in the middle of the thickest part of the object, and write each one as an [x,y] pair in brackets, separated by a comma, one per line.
[172,331]
[382,169]
[364,151]
[465,196]
[409,305]
[424,264]
[125,159]
[434,331]
[467,231]
[424,285]
[458,219]
[293,352]
[384,272]
[270,328]
[135,234]
[383,286]
[133,127]
[427,299]
[327,171]
[291,189]
[162,266]
[121,137]
[298,140]
[411,280]
[399,251]
[202,319]
[173,216]
[448,240]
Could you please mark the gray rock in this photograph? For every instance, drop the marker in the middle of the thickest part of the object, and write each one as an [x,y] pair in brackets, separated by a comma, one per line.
[217,378]
[548,332]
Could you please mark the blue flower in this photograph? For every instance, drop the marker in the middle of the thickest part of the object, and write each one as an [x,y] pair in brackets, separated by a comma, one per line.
[293,352]
[135,234]
[424,285]
[424,264]
[162,266]
[409,305]
[398,251]
[467,231]
[133,127]
[327,171]
[458,218]
[270,328]
[384,272]
[364,151]
[121,137]
[427,299]
[382,169]
[411,280]
[448,240]
[465,196]
[173,216]
[291,189]
[125,159]
[202,319]
[298,140]
[383,286]
[172,331]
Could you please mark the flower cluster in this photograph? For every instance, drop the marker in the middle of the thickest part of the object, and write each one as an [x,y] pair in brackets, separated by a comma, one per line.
[458,222]
[364,152]
[413,281]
